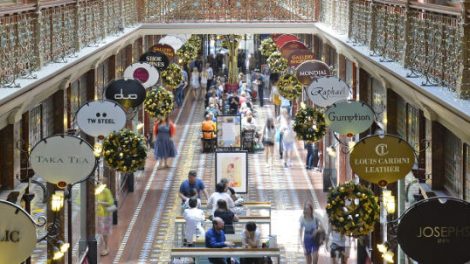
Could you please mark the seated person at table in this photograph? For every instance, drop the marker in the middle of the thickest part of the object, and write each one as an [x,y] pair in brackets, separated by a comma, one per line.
[234,103]
[215,238]
[228,216]
[192,194]
[229,189]
[192,183]
[251,238]
[249,124]
[217,195]
[194,218]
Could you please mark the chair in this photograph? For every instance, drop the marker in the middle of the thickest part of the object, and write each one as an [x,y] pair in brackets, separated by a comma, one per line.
[248,140]
[208,144]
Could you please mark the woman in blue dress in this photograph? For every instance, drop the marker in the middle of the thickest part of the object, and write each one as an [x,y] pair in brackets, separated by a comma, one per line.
[163,132]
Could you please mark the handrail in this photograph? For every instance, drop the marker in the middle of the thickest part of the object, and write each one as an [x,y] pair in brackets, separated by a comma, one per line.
[17,9]
[391,2]
[439,9]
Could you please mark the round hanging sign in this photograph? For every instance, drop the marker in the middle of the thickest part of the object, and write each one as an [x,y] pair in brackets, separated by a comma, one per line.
[165,49]
[129,93]
[325,91]
[311,70]
[382,160]
[156,59]
[144,72]
[62,159]
[299,56]
[17,233]
[99,118]
[349,117]
[436,225]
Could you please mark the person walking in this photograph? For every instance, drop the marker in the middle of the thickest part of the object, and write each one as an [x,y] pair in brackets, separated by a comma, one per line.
[163,132]
[268,138]
[104,211]
[339,246]
[195,83]
[312,155]
[179,92]
[210,76]
[309,231]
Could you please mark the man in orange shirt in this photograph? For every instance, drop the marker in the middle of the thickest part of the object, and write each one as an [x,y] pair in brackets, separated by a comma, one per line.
[208,128]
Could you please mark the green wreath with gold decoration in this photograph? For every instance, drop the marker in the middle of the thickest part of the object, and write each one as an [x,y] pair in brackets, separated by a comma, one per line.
[195,41]
[309,124]
[276,62]
[289,86]
[352,209]
[159,102]
[267,47]
[187,52]
[172,76]
[125,150]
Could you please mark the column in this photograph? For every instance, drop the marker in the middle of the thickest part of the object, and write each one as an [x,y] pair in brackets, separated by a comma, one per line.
[463,83]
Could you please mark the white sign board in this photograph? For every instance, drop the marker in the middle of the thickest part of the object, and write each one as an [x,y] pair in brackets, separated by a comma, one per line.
[325,91]
[349,117]
[143,72]
[17,233]
[62,159]
[99,118]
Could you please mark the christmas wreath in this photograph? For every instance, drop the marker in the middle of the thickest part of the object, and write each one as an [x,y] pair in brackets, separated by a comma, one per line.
[352,209]
[267,47]
[196,42]
[125,150]
[172,76]
[289,86]
[276,62]
[187,52]
[159,102]
[309,124]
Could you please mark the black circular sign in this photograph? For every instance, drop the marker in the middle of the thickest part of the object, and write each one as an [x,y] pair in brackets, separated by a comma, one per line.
[156,59]
[128,93]
[436,225]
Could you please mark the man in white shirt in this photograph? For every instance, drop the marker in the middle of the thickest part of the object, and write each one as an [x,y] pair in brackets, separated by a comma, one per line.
[220,193]
[210,75]
[194,218]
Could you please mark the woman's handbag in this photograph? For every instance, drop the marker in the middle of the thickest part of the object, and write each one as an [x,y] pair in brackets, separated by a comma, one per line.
[319,237]
[111,208]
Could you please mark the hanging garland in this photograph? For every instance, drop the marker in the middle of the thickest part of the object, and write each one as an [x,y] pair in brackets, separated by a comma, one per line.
[187,52]
[125,150]
[309,124]
[172,76]
[159,102]
[267,47]
[276,62]
[352,209]
[289,86]
[195,41]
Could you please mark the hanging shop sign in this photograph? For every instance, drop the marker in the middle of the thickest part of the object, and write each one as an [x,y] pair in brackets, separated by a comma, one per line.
[99,118]
[143,72]
[291,46]
[326,91]
[382,159]
[17,233]
[311,70]
[349,117]
[157,59]
[62,159]
[283,39]
[129,93]
[436,225]
[165,49]
[298,57]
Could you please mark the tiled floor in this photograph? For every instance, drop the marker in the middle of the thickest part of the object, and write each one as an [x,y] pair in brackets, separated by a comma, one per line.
[146,228]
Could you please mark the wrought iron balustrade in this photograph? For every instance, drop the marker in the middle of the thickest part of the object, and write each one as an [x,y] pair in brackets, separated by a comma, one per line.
[167,11]
[425,38]
[51,33]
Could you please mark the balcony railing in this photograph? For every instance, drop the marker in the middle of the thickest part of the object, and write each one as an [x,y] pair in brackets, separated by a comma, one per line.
[52,33]
[164,11]
[427,39]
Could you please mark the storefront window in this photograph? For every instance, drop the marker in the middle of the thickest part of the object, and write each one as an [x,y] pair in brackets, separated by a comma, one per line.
[453,181]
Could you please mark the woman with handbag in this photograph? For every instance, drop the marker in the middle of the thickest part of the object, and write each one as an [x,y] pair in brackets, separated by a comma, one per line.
[311,234]
[104,211]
